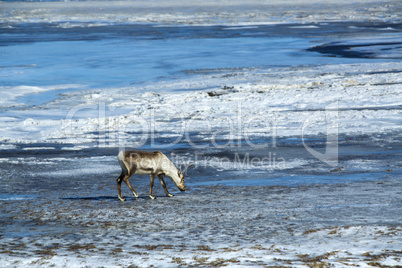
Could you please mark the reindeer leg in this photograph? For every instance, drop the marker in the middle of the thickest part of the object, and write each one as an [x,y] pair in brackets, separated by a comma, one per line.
[126,180]
[119,180]
[164,185]
[151,186]
[125,175]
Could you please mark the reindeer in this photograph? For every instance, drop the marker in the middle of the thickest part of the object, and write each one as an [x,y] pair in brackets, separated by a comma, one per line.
[144,163]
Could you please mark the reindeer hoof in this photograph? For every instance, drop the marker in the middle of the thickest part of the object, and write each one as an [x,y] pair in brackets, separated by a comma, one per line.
[152,197]
[122,199]
[169,195]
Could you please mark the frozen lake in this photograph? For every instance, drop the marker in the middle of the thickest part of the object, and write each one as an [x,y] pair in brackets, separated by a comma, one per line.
[291,115]
[76,56]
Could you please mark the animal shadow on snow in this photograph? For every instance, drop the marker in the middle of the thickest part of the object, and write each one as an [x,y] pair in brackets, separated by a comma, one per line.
[100,198]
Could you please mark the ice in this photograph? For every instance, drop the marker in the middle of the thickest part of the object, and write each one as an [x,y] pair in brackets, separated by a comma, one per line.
[12,96]
[7,146]
[365,102]
[385,47]
[289,111]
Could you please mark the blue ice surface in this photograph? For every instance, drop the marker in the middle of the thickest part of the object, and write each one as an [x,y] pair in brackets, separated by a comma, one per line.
[122,62]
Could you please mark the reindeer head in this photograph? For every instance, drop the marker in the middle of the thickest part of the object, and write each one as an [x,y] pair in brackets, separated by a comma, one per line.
[179,179]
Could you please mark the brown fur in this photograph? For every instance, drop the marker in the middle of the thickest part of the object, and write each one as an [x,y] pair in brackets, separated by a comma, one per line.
[153,163]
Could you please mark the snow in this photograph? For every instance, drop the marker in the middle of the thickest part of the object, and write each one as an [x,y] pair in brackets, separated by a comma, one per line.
[200,13]
[270,229]
[265,102]
[10,94]
[263,191]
